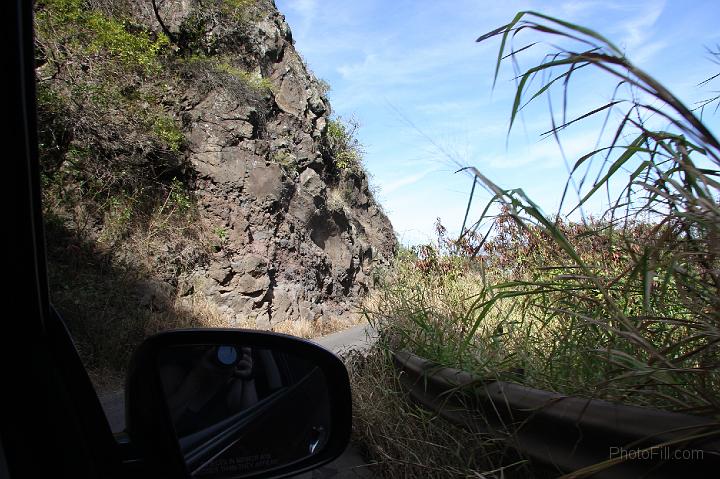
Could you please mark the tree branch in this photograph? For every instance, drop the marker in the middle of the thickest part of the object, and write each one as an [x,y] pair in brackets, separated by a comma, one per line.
[165,29]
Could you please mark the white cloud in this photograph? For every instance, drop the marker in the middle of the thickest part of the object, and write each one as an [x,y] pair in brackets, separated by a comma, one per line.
[638,29]
[645,53]
[413,215]
[637,32]
[407,180]
[574,8]
[448,107]
[398,67]
[588,8]
[546,153]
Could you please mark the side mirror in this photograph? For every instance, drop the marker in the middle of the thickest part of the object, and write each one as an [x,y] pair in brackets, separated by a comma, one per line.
[236,403]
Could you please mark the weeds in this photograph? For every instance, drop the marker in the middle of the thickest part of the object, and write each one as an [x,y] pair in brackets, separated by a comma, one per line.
[340,197]
[253,81]
[622,306]
[646,294]
[102,96]
[305,328]
[404,440]
[342,145]
[216,26]
[287,160]
[206,73]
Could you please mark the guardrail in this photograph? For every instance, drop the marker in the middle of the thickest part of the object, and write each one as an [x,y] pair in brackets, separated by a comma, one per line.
[568,435]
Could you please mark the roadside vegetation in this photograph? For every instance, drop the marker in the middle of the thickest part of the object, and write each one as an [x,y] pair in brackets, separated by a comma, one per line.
[621,305]
[401,439]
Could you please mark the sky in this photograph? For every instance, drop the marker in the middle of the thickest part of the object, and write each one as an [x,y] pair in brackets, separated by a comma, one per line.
[411,73]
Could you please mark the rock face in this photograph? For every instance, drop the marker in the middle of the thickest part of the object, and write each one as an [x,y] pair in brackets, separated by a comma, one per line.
[297,236]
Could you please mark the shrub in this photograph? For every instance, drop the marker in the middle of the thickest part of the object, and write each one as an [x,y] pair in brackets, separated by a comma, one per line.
[101,89]
[255,82]
[287,160]
[342,145]
[323,86]
[69,30]
[210,72]
[217,25]
[167,131]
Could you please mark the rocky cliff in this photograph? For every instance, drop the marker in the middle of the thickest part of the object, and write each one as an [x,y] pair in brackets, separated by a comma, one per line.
[301,234]
[162,113]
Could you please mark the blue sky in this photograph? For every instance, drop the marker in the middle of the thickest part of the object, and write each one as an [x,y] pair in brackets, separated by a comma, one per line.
[412,74]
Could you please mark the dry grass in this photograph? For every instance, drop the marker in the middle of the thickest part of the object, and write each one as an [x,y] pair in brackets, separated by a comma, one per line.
[139,322]
[304,328]
[403,440]
[105,350]
[210,315]
[195,311]
[339,198]
[114,290]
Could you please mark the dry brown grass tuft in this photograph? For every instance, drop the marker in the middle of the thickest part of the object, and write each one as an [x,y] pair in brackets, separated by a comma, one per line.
[195,311]
[304,328]
[403,440]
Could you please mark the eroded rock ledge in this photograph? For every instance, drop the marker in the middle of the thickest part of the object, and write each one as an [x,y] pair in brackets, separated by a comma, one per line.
[298,236]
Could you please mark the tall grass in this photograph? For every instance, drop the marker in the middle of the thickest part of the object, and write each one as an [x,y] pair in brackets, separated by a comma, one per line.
[623,305]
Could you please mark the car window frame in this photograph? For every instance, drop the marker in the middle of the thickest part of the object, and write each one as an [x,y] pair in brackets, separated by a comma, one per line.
[52,421]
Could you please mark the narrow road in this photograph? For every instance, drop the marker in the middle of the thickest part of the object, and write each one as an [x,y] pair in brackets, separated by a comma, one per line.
[359,337]
[348,465]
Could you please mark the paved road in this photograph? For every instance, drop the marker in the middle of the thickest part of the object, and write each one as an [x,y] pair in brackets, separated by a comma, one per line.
[349,465]
[359,337]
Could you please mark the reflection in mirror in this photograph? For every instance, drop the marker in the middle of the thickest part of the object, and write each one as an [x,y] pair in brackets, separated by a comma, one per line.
[239,410]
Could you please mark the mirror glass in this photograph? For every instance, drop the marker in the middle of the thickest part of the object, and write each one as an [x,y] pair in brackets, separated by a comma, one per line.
[239,410]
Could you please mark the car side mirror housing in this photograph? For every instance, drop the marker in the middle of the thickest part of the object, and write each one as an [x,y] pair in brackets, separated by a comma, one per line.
[227,403]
